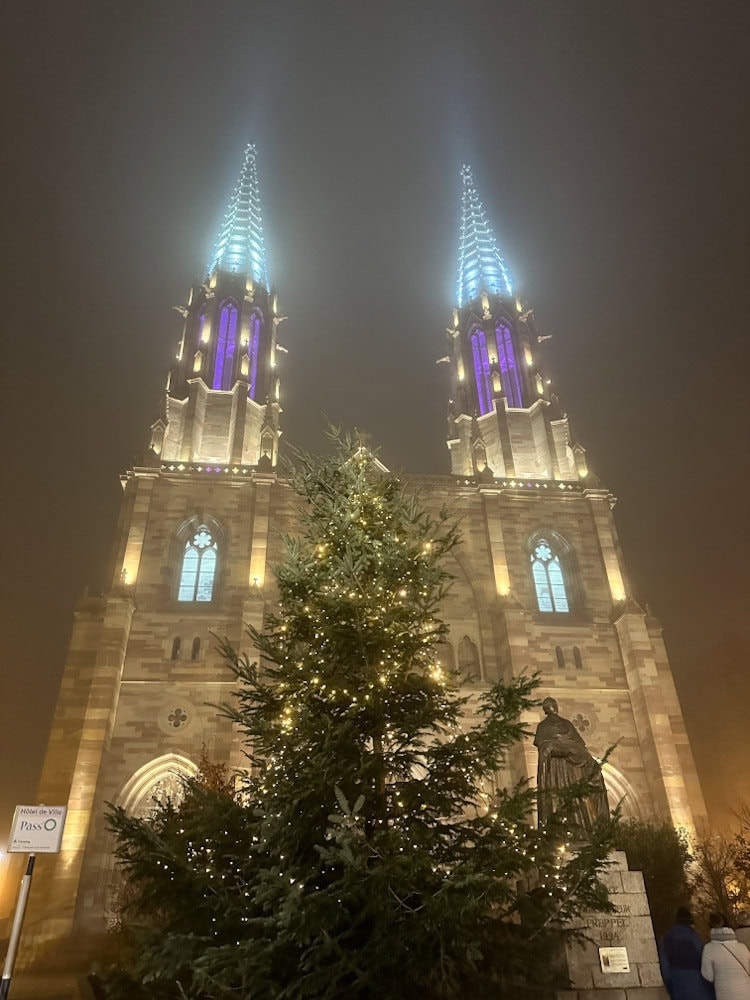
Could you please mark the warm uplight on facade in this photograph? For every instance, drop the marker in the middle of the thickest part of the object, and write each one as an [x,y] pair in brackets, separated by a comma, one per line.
[460,369]
[614,578]
[528,357]
[212,282]
[197,361]
[205,333]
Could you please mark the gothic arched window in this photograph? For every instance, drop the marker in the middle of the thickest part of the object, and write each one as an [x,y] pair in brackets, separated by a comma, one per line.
[226,344]
[560,657]
[506,357]
[195,652]
[482,370]
[204,328]
[252,350]
[198,567]
[549,581]
[468,658]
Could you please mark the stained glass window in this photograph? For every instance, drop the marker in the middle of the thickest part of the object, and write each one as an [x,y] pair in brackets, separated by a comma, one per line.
[549,581]
[507,360]
[204,332]
[226,343]
[254,338]
[482,371]
[198,567]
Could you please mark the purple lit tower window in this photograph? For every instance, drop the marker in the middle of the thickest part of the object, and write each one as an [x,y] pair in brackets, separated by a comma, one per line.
[225,346]
[482,371]
[255,322]
[507,359]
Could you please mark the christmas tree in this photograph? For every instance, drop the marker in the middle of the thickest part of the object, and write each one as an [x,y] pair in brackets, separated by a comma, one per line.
[367,852]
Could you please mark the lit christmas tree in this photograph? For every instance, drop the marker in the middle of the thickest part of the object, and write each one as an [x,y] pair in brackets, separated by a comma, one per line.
[363,856]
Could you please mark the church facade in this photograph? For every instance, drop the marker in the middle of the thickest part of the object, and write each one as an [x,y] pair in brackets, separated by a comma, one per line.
[540,583]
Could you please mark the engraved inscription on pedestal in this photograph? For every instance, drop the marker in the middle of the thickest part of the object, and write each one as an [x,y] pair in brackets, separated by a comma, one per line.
[628,927]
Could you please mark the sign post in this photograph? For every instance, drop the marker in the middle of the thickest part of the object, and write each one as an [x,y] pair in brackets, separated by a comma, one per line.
[35,830]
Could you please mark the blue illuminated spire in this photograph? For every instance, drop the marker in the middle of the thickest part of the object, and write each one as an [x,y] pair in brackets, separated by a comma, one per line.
[480,266]
[240,245]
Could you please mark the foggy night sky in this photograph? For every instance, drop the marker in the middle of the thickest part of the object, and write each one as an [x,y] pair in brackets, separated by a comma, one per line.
[609,142]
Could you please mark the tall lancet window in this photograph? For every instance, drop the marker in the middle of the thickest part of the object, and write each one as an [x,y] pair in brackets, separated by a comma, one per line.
[482,370]
[204,329]
[226,345]
[198,567]
[255,323]
[549,582]
[506,357]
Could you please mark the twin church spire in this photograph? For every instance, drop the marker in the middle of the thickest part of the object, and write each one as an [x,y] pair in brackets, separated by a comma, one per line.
[480,266]
[221,408]
[504,422]
[222,399]
[240,247]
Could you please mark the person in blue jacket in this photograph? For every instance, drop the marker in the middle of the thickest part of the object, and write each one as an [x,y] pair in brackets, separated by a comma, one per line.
[681,960]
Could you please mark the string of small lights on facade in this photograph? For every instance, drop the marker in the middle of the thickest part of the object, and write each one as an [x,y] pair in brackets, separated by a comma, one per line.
[480,266]
[240,247]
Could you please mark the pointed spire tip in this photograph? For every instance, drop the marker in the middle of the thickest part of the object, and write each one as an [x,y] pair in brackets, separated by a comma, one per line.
[240,247]
[480,266]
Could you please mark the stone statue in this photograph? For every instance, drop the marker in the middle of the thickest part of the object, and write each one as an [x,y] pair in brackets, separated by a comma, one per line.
[564,761]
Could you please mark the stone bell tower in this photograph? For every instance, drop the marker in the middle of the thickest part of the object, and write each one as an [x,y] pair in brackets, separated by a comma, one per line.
[503,418]
[202,514]
[221,402]
[541,570]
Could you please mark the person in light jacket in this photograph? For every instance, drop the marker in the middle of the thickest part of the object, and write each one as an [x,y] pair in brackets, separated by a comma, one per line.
[726,961]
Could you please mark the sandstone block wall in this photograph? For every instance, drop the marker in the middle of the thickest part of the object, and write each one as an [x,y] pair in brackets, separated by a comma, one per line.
[127,708]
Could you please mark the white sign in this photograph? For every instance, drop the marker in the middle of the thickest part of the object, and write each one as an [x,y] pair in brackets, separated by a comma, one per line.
[614,959]
[37,829]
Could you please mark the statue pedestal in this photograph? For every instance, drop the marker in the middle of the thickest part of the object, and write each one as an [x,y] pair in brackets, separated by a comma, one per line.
[620,940]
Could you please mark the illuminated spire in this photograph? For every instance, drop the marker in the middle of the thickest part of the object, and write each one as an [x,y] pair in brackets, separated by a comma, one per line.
[240,245]
[480,266]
